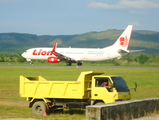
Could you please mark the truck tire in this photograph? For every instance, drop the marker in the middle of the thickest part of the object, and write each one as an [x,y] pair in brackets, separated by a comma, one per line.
[40,108]
[99,103]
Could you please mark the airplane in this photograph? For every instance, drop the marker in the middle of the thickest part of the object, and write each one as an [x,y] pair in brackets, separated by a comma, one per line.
[77,55]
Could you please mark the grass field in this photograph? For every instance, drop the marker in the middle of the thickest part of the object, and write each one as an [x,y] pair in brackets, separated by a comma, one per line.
[13,106]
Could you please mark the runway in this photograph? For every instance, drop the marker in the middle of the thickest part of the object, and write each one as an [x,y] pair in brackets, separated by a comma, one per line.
[98,67]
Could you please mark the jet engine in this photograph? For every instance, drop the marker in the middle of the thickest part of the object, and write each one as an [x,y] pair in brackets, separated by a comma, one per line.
[53,60]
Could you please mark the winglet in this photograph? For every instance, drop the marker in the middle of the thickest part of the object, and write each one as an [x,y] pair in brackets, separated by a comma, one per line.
[54,50]
[54,47]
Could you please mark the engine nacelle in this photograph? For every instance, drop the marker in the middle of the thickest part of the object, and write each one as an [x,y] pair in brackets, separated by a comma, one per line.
[53,60]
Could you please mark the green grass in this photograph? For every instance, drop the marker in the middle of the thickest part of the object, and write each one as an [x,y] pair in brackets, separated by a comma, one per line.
[13,106]
[25,112]
[118,62]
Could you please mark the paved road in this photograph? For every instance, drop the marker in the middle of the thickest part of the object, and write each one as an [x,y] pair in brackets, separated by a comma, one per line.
[55,66]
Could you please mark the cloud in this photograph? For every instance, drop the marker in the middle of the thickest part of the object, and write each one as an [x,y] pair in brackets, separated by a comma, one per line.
[104,5]
[139,4]
[134,23]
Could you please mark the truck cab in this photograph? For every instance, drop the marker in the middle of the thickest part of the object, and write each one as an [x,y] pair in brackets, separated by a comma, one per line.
[117,90]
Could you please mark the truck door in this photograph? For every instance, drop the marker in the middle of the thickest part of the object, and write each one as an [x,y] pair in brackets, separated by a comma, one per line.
[99,92]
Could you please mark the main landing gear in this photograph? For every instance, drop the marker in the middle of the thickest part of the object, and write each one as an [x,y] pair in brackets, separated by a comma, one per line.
[69,63]
[79,63]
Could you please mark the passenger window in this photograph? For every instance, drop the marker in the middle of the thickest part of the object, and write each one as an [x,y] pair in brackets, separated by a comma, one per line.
[101,80]
[104,82]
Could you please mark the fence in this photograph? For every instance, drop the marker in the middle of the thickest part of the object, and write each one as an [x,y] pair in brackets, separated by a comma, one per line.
[124,110]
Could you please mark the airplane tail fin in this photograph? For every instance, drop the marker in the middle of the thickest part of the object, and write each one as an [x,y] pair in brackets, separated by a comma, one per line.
[123,41]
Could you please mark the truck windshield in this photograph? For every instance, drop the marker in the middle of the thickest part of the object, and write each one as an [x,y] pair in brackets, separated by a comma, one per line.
[120,84]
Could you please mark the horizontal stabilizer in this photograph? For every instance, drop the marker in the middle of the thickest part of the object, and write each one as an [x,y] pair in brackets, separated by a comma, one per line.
[128,51]
[123,51]
[136,50]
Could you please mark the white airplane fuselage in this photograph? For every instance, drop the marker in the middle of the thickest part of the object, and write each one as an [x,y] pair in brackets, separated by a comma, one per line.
[82,54]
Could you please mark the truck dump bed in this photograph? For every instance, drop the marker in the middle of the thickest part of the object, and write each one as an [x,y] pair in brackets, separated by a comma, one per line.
[39,87]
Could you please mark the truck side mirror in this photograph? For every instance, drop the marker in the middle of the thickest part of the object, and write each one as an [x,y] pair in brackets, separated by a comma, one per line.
[135,87]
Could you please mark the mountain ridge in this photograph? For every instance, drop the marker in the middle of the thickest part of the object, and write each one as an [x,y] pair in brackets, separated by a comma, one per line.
[12,43]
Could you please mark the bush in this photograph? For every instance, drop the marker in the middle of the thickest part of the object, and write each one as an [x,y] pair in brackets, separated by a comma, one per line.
[21,59]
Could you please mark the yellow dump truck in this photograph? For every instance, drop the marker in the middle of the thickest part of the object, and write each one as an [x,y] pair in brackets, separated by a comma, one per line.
[46,95]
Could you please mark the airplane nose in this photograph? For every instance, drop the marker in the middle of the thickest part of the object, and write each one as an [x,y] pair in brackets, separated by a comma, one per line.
[23,55]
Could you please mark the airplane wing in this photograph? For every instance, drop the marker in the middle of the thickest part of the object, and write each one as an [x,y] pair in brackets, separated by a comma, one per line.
[61,56]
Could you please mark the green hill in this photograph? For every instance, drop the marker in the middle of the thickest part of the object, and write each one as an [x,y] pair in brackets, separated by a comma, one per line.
[18,42]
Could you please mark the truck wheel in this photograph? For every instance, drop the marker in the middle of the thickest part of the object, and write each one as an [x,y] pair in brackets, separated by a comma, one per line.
[39,108]
[99,103]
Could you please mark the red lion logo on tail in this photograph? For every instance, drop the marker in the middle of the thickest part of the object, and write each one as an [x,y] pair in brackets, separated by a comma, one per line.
[123,41]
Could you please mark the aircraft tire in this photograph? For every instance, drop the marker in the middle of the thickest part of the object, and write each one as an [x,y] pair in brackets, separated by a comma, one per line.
[79,63]
[68,63]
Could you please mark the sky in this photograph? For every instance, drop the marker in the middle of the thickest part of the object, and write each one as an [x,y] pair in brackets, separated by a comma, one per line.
[69,17]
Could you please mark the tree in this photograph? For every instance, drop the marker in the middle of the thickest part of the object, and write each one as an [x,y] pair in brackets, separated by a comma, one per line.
[142,59]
